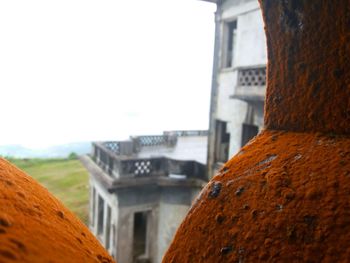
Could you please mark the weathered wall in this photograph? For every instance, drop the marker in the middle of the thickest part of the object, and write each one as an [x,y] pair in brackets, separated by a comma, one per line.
[132,200]
[174,205]
[237,6]
[250,51]
[111,201]
[230,110]
[167,207]
[251,42]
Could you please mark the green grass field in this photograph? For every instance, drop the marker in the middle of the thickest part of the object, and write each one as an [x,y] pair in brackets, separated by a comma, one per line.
[66,179]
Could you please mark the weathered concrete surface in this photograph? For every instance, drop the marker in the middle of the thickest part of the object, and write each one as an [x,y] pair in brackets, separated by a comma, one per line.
[166,208]
[249,52]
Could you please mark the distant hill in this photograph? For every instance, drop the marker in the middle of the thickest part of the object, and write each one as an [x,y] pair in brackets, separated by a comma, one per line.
[57,151]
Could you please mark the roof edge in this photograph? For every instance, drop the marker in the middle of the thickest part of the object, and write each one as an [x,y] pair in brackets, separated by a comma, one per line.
[210,1]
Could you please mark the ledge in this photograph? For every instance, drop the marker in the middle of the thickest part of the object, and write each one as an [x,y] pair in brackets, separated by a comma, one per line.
[112,184]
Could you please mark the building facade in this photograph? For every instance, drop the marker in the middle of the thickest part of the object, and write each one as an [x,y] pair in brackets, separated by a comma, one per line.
[141,189]
[239,79]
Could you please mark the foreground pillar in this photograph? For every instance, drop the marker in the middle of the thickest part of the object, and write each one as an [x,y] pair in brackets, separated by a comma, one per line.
[286,196]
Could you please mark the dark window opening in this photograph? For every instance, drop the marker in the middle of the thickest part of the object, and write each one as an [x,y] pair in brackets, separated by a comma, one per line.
[222,142]
[231,43]
[100,215]
[140,236]
[248,132]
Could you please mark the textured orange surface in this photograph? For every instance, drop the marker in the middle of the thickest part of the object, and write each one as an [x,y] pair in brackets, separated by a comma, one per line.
[283,198]
[36,227]
[308,69]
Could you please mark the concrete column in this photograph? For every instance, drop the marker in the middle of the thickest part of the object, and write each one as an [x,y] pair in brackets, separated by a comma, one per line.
[214,91]
[125,234]
[95,213]
[92,207]
[105,223]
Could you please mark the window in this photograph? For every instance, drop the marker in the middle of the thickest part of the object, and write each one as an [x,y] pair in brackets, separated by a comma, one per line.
[249,129]
[140,236]
[248,132]
[230,41]
[100,215]
[222,142]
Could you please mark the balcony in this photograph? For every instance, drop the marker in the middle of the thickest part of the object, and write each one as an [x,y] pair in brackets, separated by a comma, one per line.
[117,163]
[251,84]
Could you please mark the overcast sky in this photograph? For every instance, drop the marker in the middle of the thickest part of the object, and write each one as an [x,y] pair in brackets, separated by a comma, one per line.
[83,70]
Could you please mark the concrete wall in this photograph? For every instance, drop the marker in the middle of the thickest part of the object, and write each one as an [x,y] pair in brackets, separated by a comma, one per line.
[132,200]
[230,110]
[174,205]
[251,41]
[124,205]
[166,207]
[249,52]
[110,200]
[236,3]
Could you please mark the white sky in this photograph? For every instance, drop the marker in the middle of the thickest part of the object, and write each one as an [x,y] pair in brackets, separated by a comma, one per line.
[84,70]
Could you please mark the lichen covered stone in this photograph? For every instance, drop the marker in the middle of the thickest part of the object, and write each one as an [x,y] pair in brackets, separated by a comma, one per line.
[36,227]
[283,198]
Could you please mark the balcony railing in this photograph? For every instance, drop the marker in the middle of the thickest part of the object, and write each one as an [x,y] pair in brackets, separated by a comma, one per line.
[251,84]
[116,165]
[113,146]
[135,144]
[152,140]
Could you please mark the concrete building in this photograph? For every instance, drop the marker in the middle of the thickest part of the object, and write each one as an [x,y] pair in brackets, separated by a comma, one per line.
[141,190]
[239,79]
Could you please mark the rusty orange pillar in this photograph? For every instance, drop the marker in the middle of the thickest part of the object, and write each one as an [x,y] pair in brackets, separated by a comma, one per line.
[285,197]
[308,68]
